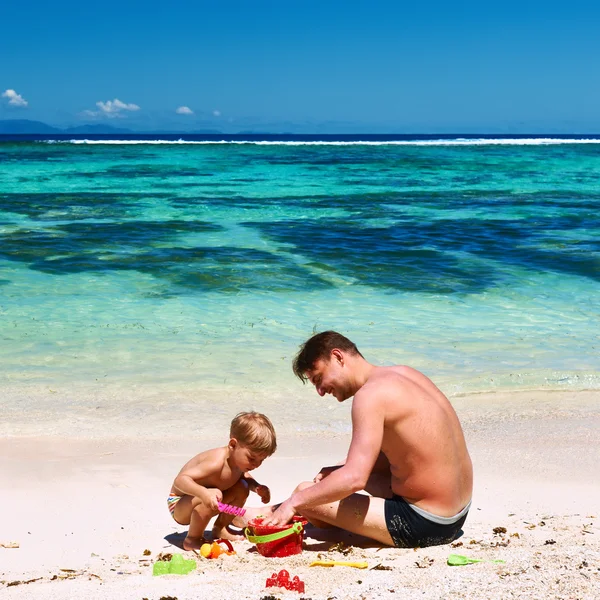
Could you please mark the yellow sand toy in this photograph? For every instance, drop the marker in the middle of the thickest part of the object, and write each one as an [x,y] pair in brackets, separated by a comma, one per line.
[215,549]
[340,563]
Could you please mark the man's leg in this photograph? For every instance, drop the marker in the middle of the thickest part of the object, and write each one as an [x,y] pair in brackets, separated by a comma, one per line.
[358,513]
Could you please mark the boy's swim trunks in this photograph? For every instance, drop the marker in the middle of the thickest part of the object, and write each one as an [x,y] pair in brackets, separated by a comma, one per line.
[172,501]
[412,527]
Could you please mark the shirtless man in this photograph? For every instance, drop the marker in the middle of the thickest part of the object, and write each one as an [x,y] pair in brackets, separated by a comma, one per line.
[407,452]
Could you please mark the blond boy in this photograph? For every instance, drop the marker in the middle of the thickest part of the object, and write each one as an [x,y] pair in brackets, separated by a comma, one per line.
[222,475]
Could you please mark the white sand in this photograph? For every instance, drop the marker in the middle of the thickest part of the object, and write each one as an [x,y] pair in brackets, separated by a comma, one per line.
[94,506]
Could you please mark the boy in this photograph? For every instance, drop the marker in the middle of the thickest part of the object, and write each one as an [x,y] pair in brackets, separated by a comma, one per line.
[222,475]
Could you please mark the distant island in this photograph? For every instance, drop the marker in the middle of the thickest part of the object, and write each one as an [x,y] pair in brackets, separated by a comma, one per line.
[28,127]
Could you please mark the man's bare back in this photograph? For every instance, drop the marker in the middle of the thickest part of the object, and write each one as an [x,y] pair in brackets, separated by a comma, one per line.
[422,440]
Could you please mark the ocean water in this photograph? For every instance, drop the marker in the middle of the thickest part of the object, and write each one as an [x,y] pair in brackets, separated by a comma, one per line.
[174,265]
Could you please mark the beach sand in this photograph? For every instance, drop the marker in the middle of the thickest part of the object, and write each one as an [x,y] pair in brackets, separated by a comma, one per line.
[84,513]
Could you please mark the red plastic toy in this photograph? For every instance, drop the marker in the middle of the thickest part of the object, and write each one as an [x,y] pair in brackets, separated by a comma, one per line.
[283,580]
[276,541]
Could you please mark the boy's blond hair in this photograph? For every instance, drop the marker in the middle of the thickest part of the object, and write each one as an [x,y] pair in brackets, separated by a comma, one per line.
[254,430]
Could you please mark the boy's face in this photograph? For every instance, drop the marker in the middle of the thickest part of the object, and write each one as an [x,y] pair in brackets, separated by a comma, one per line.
[244,457]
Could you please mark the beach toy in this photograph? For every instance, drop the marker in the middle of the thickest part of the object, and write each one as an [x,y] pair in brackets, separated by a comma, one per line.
[458,560]
[340,563]
[215,549]
[176,566]
[238,511]
[276,541]
[282,579]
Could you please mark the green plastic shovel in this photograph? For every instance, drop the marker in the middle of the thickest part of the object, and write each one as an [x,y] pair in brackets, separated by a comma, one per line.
[458,560]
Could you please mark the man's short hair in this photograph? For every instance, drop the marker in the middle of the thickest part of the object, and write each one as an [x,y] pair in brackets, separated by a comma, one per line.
[319,347]
[255,431]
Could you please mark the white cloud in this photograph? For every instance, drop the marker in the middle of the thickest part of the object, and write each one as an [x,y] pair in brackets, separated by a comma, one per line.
[184,110]
[14,99]
[115,106]
[111,109]
[217,113]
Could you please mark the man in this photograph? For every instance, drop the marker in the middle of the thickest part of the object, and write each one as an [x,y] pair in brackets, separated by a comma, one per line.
[407,452]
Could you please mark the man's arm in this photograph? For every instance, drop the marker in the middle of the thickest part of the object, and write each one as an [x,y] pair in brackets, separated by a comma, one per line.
[367,436]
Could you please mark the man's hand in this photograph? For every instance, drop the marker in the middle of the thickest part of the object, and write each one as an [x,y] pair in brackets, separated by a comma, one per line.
[325,472]
[264,492]
[282,516]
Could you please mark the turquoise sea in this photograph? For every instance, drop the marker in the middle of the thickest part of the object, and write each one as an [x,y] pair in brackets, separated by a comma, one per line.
[136,265]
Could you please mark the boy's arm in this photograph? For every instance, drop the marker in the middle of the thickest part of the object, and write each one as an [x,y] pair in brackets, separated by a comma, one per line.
[252,483]
[190,481]
[262,490]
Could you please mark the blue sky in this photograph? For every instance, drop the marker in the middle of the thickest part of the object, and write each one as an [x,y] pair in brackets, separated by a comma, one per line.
[306,66]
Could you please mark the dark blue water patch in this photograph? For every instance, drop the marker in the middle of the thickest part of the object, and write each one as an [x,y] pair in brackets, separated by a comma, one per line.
[586,202]
[371,158]
[583,178]
[134,232]
[398,180]
[152,170]
[226,201]
[224,269]
[102,248]
[34,179]
[5,281]
[392,258]
[512,162]
[74,206]
[421,256]
[392,203]
[231,270]
[197,184]
[93,239]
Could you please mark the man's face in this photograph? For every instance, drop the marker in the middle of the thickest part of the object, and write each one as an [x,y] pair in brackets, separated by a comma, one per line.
[329,377]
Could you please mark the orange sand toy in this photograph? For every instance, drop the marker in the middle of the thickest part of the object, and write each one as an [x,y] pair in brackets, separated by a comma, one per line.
[215,549]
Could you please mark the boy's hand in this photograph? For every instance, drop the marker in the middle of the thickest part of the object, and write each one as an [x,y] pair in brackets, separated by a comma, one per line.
[264,492]
[213,497]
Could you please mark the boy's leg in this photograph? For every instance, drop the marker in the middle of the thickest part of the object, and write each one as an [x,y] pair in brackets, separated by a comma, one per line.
[236,495]
[193,512]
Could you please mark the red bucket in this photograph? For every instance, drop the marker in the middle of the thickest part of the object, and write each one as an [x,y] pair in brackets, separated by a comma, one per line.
[276,541]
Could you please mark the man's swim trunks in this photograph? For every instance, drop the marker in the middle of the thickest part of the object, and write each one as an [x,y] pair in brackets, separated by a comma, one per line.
[172,501]
[413,527]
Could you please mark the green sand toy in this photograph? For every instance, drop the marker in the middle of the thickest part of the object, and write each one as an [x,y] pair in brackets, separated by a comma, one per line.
[458,560]
[176,566]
